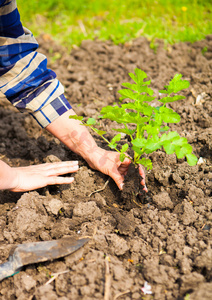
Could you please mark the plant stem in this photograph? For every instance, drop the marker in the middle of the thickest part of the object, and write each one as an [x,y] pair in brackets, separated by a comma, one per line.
[96,131]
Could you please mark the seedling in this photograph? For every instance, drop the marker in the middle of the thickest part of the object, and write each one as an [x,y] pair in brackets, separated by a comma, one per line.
[145,124]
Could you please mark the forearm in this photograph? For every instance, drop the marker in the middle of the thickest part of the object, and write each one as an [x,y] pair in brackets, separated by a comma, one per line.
[77,137]
[7,176]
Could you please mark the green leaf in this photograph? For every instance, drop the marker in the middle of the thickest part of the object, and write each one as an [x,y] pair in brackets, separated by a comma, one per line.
[138,88]
[181,141]
[175,85]
[116,138]
[182,151]
[152,144]
[169,148]
[122,157]
[75,117]
[139,77]
[112,146]
[137,150]
[169,137]
[91,121]
[125,130]
[152,130]
[124,148]
[168,115]
[191,159]
[100,132]
[131,105]
[147,163]
[171,99]
[165,128]
[140,143]
[148,111]
[128,94]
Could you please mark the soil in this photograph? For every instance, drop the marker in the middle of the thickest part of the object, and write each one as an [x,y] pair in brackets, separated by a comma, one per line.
[164,240]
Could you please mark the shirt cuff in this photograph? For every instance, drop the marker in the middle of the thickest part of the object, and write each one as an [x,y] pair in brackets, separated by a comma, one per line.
[51,111]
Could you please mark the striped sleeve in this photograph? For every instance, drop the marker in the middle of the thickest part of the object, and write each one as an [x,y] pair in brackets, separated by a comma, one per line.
[25,79]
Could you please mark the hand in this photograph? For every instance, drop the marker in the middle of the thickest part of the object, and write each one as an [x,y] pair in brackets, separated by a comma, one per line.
[108,162]
[78,139]
[38,176]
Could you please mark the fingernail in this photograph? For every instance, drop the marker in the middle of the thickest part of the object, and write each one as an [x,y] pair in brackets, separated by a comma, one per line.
[75,162]
[121,186]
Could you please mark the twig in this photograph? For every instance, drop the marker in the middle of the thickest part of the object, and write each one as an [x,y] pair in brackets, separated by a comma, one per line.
[121,294]
[107,279]
[137,203]
[99,190]
[55,275]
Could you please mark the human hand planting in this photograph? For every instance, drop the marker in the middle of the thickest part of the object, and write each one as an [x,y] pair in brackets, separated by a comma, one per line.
[78,139]
[108,162]
[29,178]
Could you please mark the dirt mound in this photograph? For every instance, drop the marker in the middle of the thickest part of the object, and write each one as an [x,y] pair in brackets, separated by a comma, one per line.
[166,240]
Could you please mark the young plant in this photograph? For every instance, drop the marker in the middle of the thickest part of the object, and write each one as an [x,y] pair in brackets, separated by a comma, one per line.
[143,123]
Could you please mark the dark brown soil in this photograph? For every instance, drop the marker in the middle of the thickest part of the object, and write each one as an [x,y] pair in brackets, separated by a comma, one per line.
[165,239]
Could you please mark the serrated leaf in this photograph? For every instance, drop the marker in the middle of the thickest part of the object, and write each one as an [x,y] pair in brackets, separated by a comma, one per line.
[147,111]
[125,130]
[137,150]
[191,159]
[91,121]
[128,94]
[180,141]
[152,130]
[75,117]
[124,148]
[131,105]
[139,76]
[175,85]
[138,88]
[169,137]
[169,148]
[139,143]
[184,150]
[171,99]
[168,115]
[152,144]
[147,163]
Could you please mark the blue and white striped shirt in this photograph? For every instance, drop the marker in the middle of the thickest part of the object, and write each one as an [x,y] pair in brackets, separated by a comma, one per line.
[25,79]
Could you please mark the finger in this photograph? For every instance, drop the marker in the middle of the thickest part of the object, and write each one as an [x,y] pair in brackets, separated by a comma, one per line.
[61,170]
[118,178]
[59,180]
[145,188]
[142,174]
[50,166]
